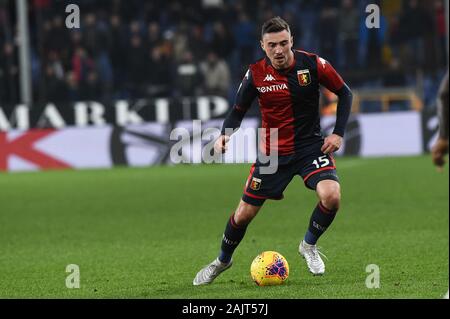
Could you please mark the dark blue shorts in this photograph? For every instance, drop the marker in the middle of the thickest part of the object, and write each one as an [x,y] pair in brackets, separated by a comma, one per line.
[311,164]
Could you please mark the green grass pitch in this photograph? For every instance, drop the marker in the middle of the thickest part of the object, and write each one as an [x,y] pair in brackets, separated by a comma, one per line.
[145,232]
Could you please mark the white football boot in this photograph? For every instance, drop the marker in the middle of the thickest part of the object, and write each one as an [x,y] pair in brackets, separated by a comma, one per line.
[210,272]
[312,254]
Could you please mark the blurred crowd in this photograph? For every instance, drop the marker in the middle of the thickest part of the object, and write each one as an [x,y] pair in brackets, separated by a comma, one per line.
[141,49]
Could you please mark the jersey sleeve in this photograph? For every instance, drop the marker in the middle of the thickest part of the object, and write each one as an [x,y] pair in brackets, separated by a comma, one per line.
[328,76]
[245,95]
[442,106]
[246,92]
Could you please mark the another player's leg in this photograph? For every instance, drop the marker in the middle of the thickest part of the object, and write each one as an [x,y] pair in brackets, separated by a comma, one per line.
[232,236]
[323,215]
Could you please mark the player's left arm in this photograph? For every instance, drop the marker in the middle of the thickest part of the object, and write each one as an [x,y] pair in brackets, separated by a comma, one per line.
[440,148]
[329,78]
[442,106]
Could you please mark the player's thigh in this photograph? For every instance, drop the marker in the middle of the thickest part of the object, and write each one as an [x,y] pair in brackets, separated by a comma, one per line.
[260,186]
[317,166]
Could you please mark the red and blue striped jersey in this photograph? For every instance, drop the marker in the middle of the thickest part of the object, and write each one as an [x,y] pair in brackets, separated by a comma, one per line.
[288,99]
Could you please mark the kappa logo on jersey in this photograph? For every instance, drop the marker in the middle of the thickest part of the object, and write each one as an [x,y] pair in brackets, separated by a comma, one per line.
[269,77]
[255,184]
[303,76]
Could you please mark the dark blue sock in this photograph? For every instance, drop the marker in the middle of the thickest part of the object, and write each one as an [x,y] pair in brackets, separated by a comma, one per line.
[231,238]
[310,238]
[321,219]
[224,257]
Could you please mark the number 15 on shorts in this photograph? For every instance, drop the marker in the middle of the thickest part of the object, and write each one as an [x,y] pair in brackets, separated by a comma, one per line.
[322,161]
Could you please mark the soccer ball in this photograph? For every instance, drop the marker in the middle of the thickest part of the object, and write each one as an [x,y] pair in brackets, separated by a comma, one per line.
[269,268]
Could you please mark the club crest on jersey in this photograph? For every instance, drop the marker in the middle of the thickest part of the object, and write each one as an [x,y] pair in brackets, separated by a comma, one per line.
[304,77]
[255,183]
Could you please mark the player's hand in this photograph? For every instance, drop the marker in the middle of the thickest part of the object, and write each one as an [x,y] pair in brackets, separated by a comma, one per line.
[438,152]
[331,144]
[220,146]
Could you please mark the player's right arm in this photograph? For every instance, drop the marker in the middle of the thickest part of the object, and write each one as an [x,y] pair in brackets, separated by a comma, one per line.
[245,95]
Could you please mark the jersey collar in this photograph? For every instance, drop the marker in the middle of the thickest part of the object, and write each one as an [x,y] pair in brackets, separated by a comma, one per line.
[282,71]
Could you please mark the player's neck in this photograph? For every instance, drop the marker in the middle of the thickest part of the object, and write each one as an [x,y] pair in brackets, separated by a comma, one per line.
[290,61]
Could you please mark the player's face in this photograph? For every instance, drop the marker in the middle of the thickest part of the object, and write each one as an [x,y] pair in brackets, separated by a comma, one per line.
[278,47]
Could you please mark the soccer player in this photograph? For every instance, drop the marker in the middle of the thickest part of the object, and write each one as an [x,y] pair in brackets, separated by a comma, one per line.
[440,148]
[286,83]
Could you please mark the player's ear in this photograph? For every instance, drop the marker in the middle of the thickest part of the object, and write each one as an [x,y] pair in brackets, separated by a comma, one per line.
[262,44]
[292,40]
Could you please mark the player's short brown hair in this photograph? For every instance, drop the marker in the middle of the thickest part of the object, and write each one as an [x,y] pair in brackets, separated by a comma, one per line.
[275,24]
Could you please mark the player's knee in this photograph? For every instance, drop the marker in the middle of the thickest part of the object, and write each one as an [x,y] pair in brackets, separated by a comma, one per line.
[332,200]
[245,213]
[242,218]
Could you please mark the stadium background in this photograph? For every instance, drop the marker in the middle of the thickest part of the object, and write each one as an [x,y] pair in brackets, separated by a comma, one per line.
[166,63]
[109,93]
